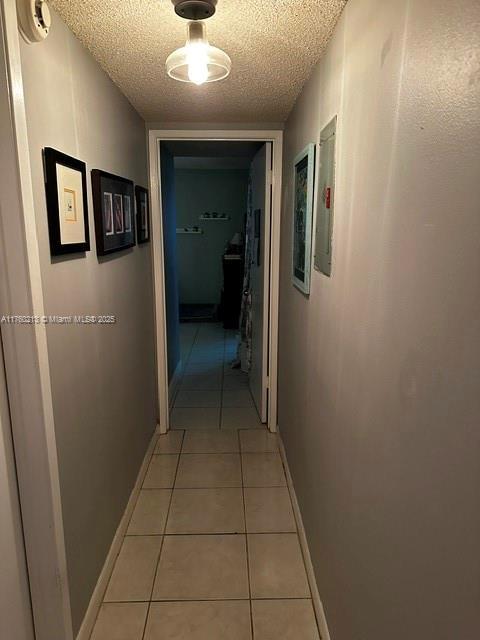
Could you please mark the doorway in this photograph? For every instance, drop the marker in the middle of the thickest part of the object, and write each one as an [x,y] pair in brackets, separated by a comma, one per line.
[216,269]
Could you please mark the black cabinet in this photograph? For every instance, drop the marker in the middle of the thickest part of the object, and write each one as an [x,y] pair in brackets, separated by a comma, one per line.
[232,290]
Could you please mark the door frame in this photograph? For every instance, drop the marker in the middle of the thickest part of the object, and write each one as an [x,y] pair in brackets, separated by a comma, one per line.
[25,354]
[266,201]
[155,137]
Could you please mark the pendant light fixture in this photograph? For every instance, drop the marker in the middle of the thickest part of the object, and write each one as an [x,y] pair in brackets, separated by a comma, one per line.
[197,61]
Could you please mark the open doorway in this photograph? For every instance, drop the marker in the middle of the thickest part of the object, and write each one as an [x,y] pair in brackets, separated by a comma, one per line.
[216,221]
[216,209]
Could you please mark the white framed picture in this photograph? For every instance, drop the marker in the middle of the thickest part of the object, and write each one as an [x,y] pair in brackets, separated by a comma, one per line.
[303,186]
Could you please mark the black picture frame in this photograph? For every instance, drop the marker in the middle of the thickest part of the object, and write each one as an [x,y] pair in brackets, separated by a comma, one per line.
[143,223]
[59,243]
[114,212]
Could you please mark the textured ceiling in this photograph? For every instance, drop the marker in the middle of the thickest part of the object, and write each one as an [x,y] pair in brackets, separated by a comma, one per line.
[273,45]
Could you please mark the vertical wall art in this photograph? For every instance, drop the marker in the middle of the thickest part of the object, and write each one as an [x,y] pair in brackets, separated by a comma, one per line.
[325,199]
[113,208]
[143,215]
[303,184]
[67,210]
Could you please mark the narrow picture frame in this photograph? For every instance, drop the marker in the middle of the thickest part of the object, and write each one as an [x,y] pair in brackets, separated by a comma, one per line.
[143,214]
[67,203]
[303,187]
[322,259]
[113,210]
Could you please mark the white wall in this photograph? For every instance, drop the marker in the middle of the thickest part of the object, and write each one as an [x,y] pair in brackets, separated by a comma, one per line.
[103,378]
[379,391]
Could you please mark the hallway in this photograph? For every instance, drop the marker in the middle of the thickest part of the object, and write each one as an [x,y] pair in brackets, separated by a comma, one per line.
[211,550]
[211,394]
[312,167]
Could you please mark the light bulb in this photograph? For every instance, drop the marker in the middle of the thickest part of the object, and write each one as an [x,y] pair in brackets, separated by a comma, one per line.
[198,61]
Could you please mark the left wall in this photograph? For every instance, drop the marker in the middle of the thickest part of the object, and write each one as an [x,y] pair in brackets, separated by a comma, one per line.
[103,377]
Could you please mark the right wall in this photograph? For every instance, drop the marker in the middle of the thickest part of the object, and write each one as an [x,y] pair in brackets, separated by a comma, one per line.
[379,372]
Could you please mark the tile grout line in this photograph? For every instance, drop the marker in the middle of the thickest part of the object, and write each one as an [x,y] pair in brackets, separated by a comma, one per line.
[177,391]
[163,538]
[209,600]
[184,369]
[222,383]
[213,533]
[246,538]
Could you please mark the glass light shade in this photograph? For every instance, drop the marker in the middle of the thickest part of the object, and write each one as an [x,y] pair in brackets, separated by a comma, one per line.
[198,61]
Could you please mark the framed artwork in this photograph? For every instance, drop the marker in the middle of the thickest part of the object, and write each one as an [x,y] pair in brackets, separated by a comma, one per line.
[67,209]
[303,181]
[322,259]
[143,214]
[113,206]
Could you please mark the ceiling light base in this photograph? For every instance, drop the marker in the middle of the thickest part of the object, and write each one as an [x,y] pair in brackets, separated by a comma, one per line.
[195,9]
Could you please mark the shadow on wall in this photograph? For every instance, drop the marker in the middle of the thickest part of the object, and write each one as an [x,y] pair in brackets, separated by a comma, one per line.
[170,258]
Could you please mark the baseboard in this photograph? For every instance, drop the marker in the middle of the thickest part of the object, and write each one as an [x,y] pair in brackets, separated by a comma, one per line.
[175,383]
[97,597]
[317,603]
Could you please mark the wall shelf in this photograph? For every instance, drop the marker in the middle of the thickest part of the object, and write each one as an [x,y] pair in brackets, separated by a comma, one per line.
[220,218]
[194,231]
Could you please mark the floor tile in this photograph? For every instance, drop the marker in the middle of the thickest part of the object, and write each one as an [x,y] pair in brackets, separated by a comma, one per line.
[235,382]
[241,418]
[150,513]
[161,472]
[198,398]
[170,442]
[207,368]
[120,621]
[263,470]
[134,570]
[284,619]
[206,511]
[237,398]
[276,566]
[214,341]
[269,510]
[183,418]
[233,372]
[202,568]
[208,353]
[211,442]
[256,441]
[202,381]
[199,621]
[206,471]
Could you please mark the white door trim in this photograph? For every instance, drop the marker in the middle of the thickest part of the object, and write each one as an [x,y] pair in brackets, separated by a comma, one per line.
[26,355]
[16,620]
[155,136]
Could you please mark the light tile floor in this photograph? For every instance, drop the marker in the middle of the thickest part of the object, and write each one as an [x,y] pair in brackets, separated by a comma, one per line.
[211,395]
[211,550]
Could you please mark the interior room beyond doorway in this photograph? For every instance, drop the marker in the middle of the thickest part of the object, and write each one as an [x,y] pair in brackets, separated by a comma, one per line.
[214,243]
